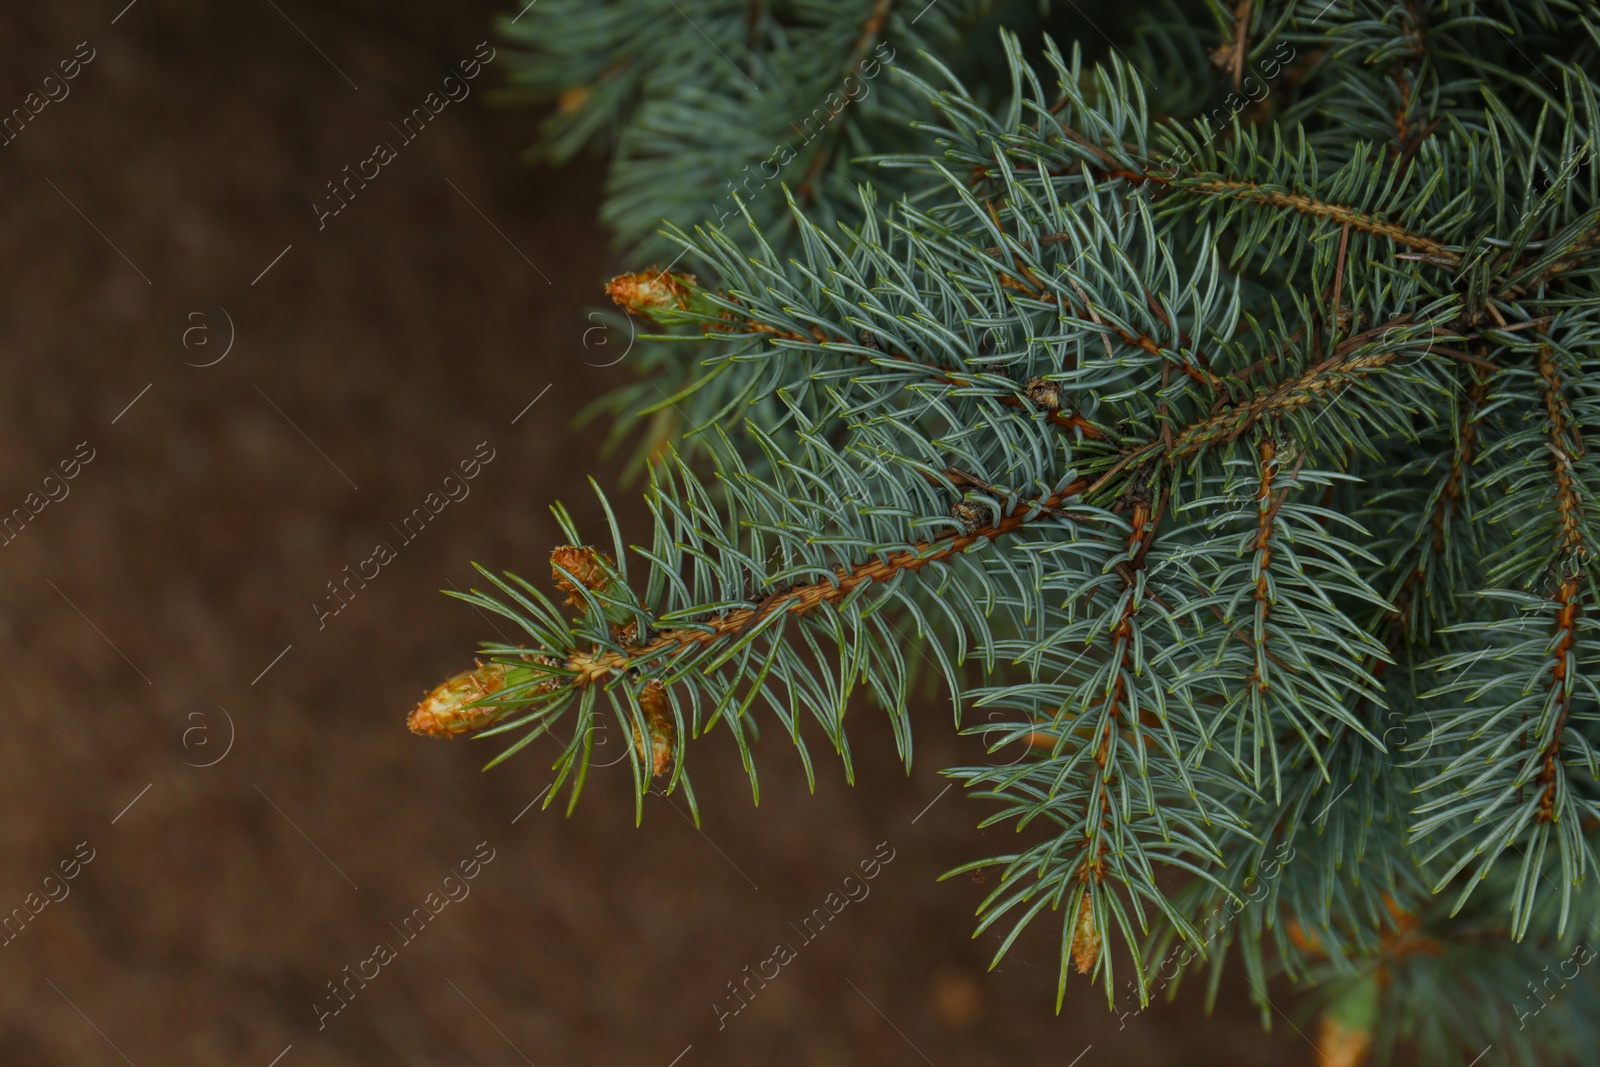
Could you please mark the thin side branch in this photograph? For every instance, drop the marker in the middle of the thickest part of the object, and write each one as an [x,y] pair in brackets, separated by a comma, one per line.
[1568,597]
[598,665]
[1329,375]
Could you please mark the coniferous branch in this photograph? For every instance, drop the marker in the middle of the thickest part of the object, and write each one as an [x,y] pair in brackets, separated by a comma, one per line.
[1237,464]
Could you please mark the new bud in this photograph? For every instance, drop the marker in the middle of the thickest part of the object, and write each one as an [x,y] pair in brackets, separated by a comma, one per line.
[594,571]
[661,295]
[586,564]
[452,708]
[1345,1036]
[663,734]
[1085,938]
[1044,393]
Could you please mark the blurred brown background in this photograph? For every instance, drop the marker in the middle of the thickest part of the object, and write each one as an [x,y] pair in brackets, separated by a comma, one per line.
[142,617]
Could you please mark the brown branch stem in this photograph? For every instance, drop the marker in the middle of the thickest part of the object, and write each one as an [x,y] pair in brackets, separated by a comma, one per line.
[599,664]
[1568,597]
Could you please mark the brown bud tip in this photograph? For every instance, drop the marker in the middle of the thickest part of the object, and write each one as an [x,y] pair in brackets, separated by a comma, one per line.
[572,98]
[1403,919]
[585,564]
[663,733]
[650,292]
[1341,1044]
[1044,393]
[1303,939]
[1085,938]
[970,514]
[448,710]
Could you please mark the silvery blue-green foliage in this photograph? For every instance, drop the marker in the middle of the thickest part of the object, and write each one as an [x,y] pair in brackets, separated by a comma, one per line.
[1232,474]
[714,108]
[698,100]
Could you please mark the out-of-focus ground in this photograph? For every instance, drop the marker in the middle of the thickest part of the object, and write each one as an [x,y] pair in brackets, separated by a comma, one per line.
[165,605]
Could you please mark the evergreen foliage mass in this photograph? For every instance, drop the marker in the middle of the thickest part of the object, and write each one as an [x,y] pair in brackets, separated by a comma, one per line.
[1207,416]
